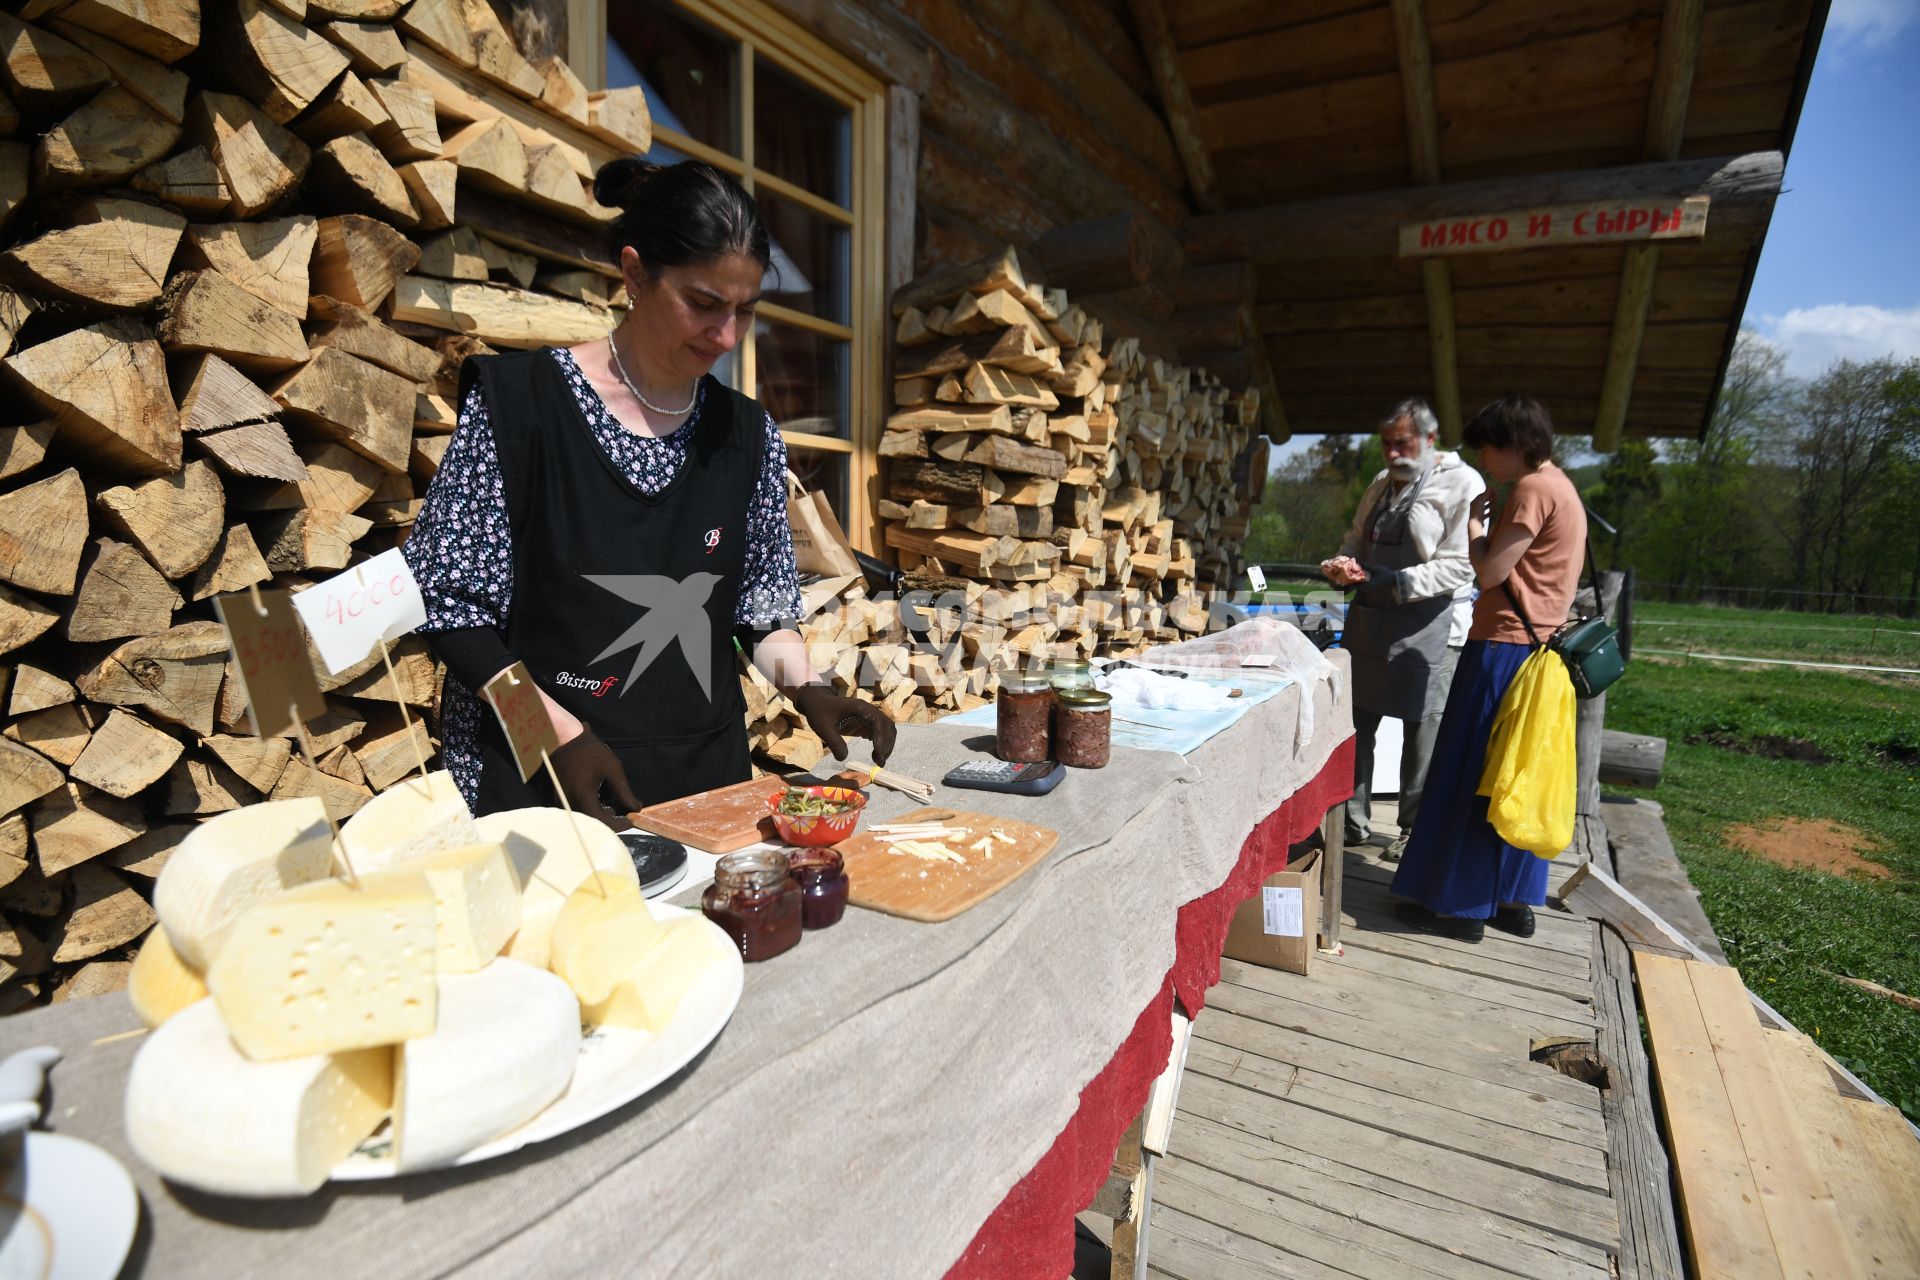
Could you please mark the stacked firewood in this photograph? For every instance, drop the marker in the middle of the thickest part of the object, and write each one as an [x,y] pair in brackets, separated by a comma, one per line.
[245,250]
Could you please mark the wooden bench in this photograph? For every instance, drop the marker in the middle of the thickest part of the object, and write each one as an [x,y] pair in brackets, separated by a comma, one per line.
[1778,1173]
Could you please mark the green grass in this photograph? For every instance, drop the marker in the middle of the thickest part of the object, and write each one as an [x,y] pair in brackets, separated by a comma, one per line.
[1781,926]
[1818,637]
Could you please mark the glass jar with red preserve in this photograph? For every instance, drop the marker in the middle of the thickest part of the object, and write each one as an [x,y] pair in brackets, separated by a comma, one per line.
[756,900]
[1082,728]
[1022,708]
[822,877]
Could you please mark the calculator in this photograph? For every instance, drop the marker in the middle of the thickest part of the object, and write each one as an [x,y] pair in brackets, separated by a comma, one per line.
[999,775]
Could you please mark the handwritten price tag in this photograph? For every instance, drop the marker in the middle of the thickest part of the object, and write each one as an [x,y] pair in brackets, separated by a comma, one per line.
[351,612]
[272,656]
[523,717]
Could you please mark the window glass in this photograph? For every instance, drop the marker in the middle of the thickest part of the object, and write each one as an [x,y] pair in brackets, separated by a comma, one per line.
[812,260]
[801,134]
[687,70]
[804,379]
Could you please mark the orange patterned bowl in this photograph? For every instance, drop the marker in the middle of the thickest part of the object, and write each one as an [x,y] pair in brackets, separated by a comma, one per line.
[822,830]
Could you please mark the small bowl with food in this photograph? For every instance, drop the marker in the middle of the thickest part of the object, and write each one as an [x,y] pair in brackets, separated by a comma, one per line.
[816,816]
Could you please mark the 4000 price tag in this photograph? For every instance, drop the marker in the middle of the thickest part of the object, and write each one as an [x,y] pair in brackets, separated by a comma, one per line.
[351,612]
[271,653]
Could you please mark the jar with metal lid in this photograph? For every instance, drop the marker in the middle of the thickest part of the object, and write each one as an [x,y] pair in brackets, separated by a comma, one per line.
[1070,673]
[1082,728]
[756,900]
[822,876]
[1022,708]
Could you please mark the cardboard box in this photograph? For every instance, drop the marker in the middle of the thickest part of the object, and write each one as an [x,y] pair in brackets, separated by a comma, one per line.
[1279,927]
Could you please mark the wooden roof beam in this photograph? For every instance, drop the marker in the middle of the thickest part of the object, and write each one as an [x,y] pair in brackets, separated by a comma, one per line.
[1666,127]
[1741,189]
[1156,38]
[1423,154]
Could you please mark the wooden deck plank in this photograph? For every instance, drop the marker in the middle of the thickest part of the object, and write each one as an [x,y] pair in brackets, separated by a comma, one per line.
[1637,1164]
[1559,943]
[1491,990]
[1423,1116]
[1566,1210]
[1719,1200]
[1190,1248]
[1405,1208]
[1555,931]
[1388,936]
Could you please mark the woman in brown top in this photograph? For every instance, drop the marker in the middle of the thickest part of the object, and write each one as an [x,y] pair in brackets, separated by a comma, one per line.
[1527,565]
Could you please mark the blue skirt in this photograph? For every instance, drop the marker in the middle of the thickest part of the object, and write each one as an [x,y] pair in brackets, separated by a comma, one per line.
[1455,863]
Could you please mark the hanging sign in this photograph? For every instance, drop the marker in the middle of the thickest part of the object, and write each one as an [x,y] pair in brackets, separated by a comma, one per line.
[1602,222]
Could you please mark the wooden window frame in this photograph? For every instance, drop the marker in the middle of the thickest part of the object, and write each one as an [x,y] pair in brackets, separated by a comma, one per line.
[760,32]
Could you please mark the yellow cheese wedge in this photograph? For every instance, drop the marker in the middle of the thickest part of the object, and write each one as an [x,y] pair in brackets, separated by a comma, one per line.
[648,994]
[476,904]
[160,984]
[600,934]
[232,862]
[545,848]
[203,1114]
[328,967]
[413,817]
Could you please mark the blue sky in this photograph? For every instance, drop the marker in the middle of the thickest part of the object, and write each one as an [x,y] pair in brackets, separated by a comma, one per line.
[1840,274]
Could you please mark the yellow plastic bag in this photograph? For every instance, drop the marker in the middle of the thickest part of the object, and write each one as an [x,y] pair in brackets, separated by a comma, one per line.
[1529,774]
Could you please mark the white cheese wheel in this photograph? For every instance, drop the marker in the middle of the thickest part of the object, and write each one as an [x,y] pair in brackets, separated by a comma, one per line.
[413,817]
[476,903]
[545,848]
[160,984]
[235,861]
[329,966]
[506,1046]
[203,1114]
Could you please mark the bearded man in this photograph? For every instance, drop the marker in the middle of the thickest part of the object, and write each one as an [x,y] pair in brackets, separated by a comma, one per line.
[1406,559]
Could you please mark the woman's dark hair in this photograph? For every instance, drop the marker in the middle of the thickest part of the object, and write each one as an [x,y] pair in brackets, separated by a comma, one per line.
[676,214]
[1519,423]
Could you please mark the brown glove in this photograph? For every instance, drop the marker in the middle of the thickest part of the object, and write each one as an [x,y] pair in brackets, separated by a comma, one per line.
[829,715]
[584,766]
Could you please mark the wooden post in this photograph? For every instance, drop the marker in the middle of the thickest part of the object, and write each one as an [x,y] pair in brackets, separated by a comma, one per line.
[1156,39]
[1423,150]
[1333,863]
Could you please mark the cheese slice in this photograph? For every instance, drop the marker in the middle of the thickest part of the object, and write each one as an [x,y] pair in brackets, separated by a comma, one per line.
[233,862]
[476,904]
[203,1114]
[160,984]
[601,933]
[650,993]
[506,1046]
[545,848]
[329,967]
[413,817]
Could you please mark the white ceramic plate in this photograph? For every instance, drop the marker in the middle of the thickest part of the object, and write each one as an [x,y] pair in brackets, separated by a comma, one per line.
[616,1065]
[68,1212]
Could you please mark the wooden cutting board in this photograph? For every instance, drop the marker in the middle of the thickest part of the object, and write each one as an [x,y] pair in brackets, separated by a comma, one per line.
[903,885]
[717,821]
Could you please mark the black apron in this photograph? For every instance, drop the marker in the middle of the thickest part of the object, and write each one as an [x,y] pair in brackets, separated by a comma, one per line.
[623,604]
[1395,649]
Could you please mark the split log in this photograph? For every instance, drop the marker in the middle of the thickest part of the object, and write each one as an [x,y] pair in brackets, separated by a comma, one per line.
[43,530]
[946,418]
[43,71]
[205,311]
[564,94]
[259,160]
[347,328]
[106,913]
[111,138]
[176,520]
[148,79]
[201,787]
[218,395]
[191,181]
[260,761]
[998,270]
[282,64]
[498,315]
[958,483]
[267,259]
[433,185]
[25,776]
[106,386]
[411,132]
[115,255]
[988,385]
[168,30]
[175,675]
[15,308]
[372,48]
[74,823]
[22,620]
[125,756]
[100,978]
[468,32]
[359,10]
[16,161]
[302,540]
[36,690]
[418,675]
[455,254]
[121,594]
[581,286]
[358,259]
[350,175]
[235,565]
[354,401]
[491,153]
[23,448]
[259,449]
[501,260]
[424,461]
[338,479]
[350,106]
[146,854]
[620,117]
[342,799]
[1003,454]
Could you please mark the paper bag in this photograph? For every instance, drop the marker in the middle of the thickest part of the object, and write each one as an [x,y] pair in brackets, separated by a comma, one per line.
[819,544]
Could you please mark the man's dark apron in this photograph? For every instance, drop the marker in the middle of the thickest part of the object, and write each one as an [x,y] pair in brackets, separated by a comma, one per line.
[602,649]
[1395,648]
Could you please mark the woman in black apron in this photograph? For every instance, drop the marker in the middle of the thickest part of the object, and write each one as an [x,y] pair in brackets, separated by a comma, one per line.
[615,517]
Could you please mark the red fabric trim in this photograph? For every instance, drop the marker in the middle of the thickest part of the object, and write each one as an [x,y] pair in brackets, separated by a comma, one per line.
[1031,1232]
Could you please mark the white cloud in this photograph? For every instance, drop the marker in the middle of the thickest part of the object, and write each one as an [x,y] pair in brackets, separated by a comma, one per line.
[1814,337]
[1862,24]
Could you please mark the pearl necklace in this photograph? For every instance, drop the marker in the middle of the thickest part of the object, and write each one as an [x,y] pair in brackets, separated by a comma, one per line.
[620,369]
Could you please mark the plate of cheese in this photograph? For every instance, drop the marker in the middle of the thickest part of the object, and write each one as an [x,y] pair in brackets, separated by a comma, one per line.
[450,991]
